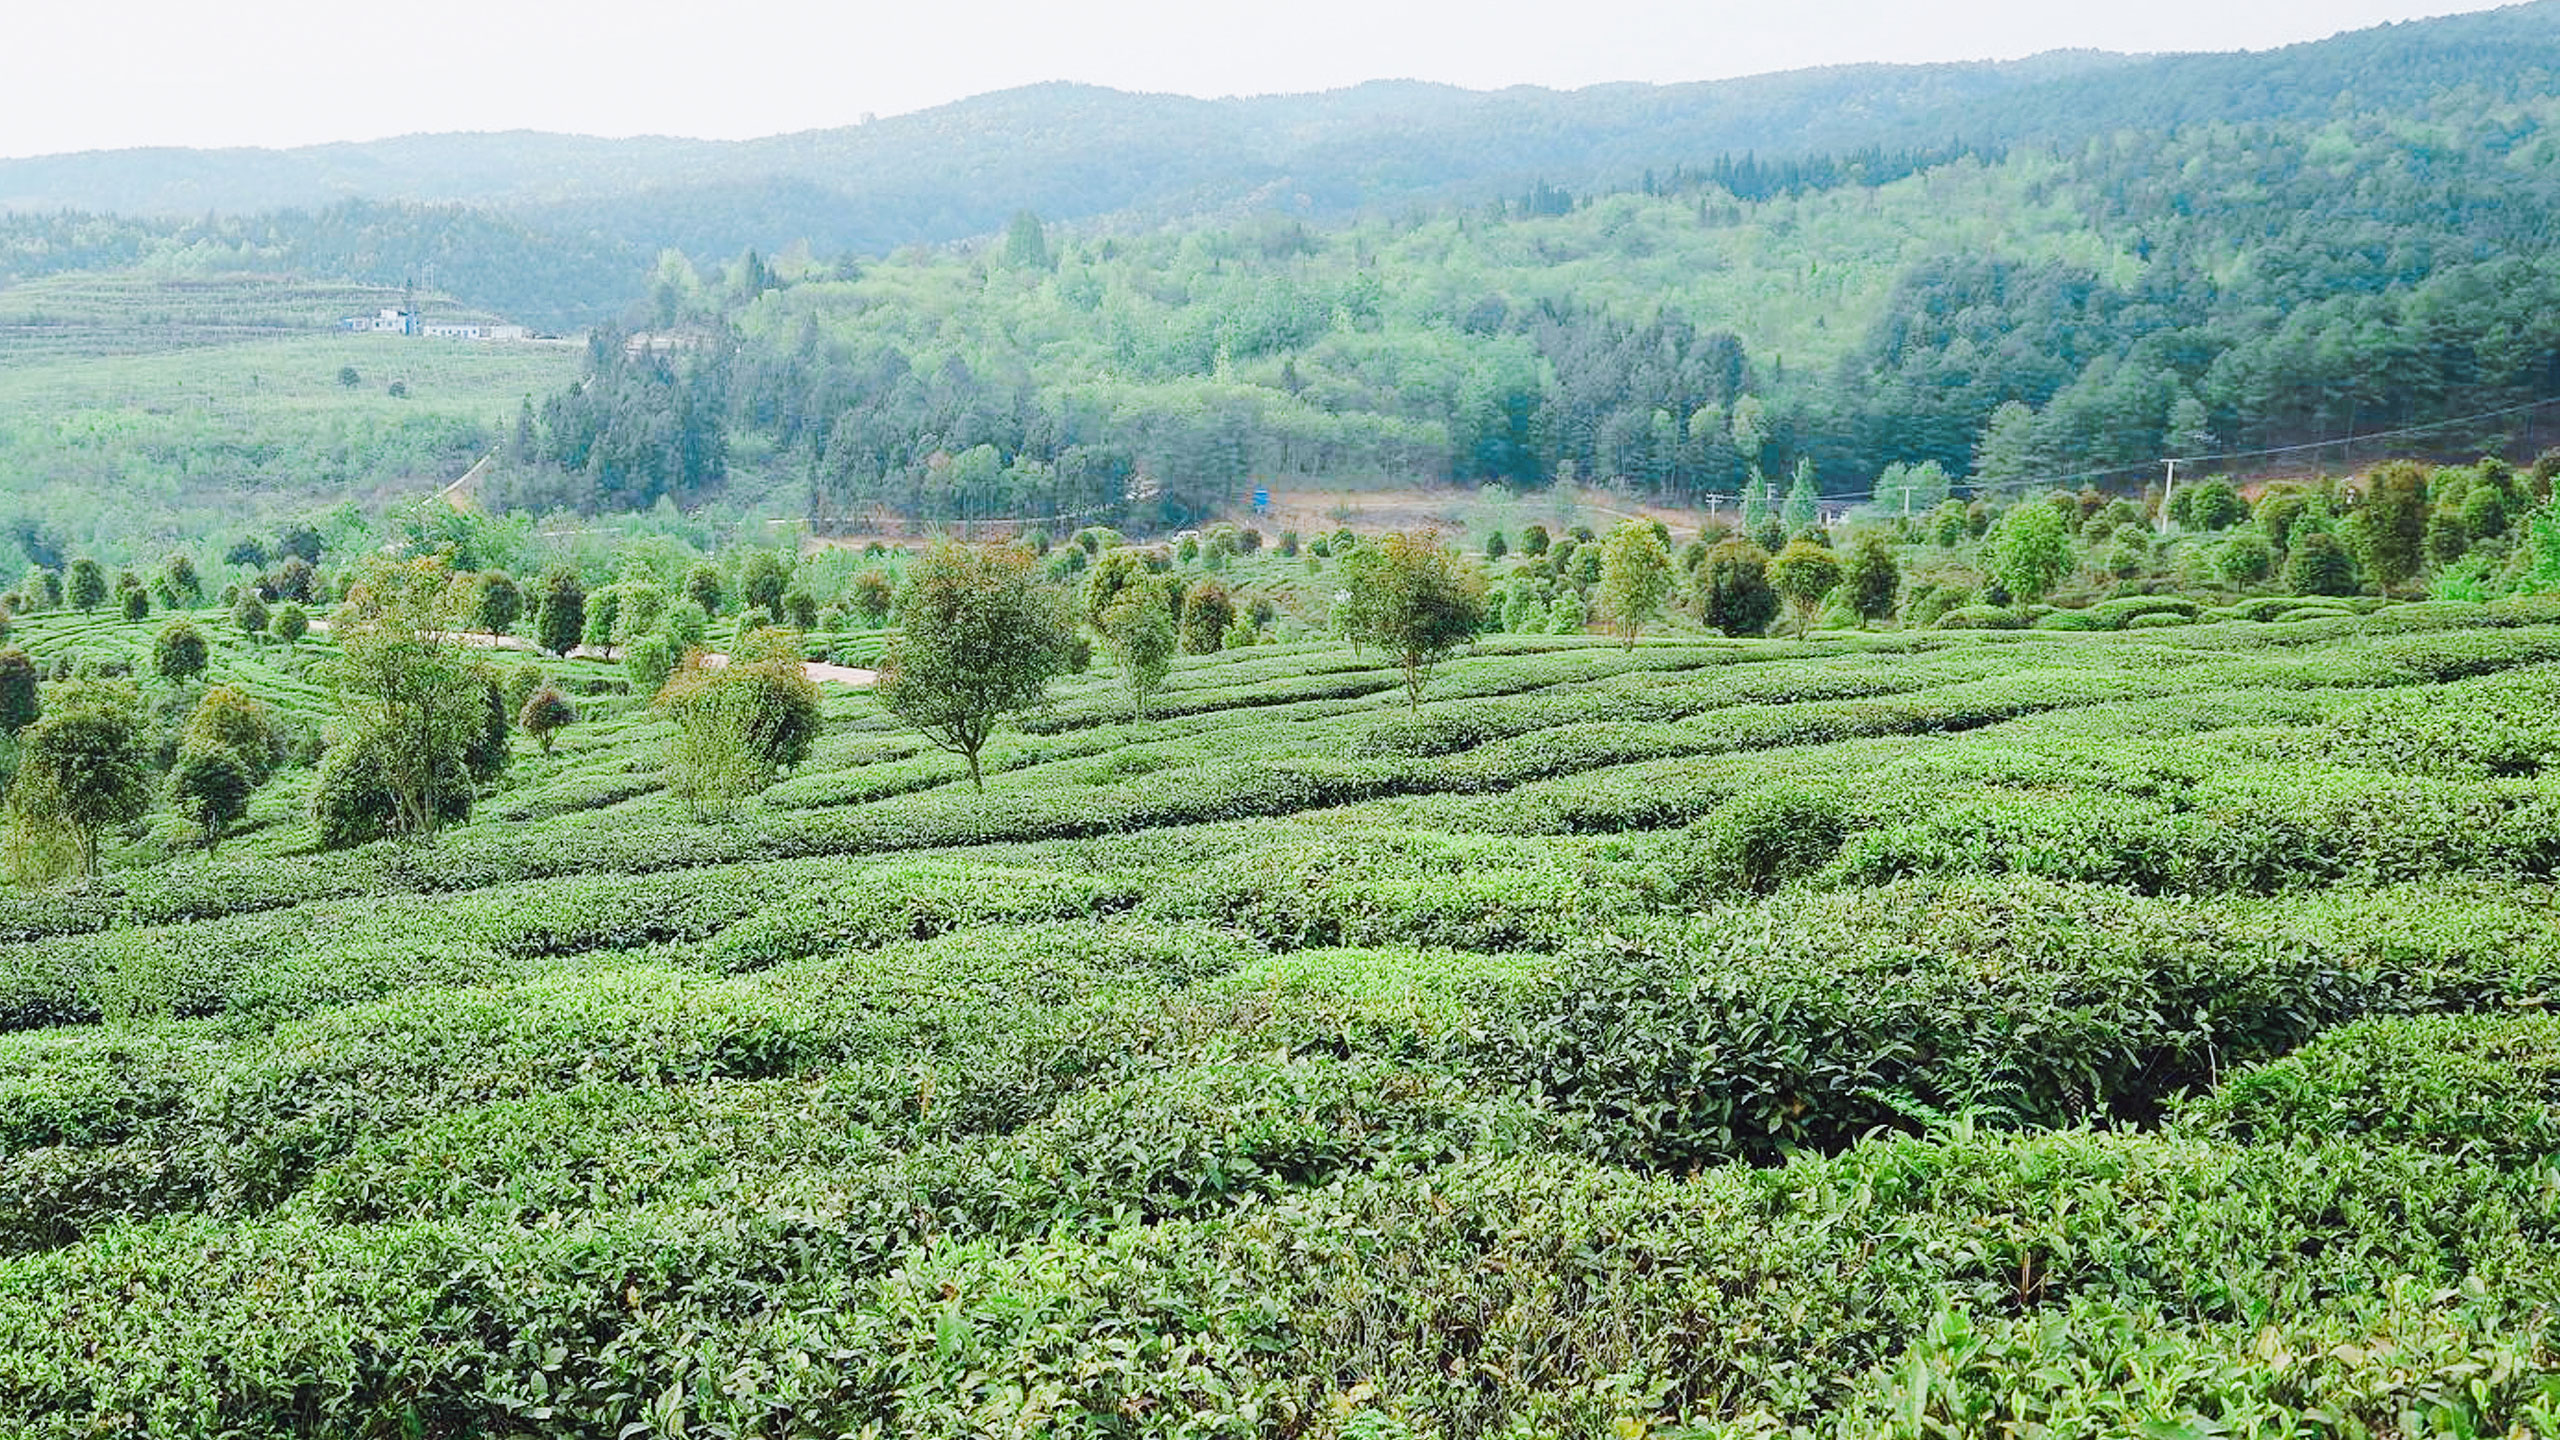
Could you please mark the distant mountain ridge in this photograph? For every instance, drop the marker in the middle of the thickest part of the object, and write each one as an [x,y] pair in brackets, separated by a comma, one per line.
[1077,151]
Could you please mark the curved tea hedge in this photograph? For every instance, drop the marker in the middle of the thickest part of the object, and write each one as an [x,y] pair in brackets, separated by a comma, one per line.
[2106,1027]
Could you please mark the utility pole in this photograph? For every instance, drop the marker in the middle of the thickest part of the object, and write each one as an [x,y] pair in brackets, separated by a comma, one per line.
[2168,492]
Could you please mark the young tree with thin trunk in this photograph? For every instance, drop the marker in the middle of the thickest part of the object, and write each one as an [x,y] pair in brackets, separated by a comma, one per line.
[979,637]
[82,766]
[405,677]
[1635,578]
[1409,596]
[1805,574]
[1137,629]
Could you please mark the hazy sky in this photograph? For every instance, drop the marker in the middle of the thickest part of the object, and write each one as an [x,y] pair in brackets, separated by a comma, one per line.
[289,72]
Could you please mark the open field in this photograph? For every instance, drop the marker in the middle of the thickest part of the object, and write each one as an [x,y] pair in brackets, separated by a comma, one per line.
[1912,1033]
[143,415]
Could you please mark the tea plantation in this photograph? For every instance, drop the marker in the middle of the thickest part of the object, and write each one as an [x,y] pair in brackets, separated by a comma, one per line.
[1925,1033]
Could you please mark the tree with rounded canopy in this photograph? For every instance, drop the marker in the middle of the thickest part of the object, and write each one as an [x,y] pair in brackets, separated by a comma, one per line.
[704,587]
[2320,564]
[1733,589]
[764,579]
[874,592]
[250,614]
[1872,577]
[1138,632]
[1635,578]
[227,718]
[560,612]
[1206,613]
[2031,551]
[291,623]
[1804,575]
[499,605]
[1409,596]
[546,713]
[210,786]
[180,587]
[979,637]
[407,683]
[21,691]
[82,766]
[180,653]
[2245,558]
[87,589]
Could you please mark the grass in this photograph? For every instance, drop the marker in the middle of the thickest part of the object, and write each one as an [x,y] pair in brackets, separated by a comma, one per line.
[139,415]
[1297,1063]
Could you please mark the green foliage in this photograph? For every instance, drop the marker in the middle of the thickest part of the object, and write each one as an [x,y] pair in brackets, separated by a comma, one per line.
[1138,631]
[979,638]
[1410,596]
[1872,578]
[545,713]
[2245,559]
[1635,578]
[82,765]
[180,653]
[229,720]
[2031,551]
[1208,612]
[2319,564]
[2390,526]
[1733,590]
[1804,575]
[87,586]
[559,612]
[1762,839]
[21,701]
[500,604]
[420,707]
[251,615]
[210,787]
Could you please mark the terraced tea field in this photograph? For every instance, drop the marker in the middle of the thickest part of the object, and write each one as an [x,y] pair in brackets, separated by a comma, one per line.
[1930,1033]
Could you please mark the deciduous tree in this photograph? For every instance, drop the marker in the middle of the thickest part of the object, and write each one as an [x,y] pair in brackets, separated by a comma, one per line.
[1635,578]
[1804,575]
[82,766]
[979,637]
[1410,596]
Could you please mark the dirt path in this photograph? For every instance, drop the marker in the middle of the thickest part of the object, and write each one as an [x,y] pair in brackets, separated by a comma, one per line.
[817,670]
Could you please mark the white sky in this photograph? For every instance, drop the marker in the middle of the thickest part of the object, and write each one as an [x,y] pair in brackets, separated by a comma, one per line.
[288,72]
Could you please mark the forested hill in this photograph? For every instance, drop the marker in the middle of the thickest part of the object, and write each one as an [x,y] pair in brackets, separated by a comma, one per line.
[1987,274]
[1984,318]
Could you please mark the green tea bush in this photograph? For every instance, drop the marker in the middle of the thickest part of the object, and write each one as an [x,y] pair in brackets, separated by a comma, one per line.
[2480,1086]
[1762,839]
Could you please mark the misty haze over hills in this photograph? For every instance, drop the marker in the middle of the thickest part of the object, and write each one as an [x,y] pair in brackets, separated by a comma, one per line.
[1075,152]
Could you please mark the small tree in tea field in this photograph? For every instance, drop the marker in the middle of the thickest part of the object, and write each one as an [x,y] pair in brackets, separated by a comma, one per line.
[979,637]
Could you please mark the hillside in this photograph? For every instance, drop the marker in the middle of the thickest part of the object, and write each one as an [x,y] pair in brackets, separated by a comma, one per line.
[1075,152]
[2130,1008]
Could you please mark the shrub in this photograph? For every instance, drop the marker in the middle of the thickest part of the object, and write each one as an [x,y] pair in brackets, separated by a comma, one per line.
[1979,617]
[291,623]
[352,799]
[210,786]
[180,653]
[544,714]
[2486,1087]
[1733,590]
